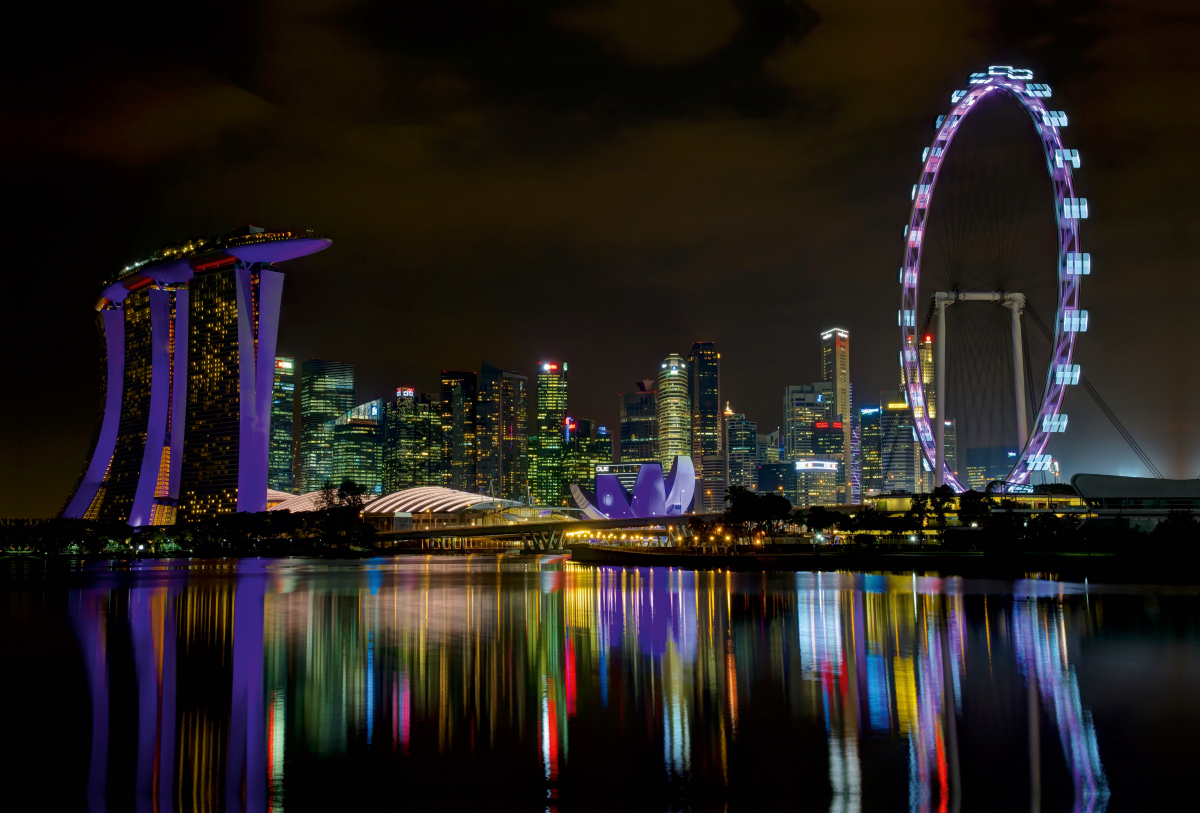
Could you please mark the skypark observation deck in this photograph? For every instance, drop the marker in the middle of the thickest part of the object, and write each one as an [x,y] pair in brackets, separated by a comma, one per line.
[188,341]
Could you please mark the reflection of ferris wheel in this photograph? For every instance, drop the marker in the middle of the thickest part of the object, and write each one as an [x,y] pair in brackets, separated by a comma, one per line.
[1071,266]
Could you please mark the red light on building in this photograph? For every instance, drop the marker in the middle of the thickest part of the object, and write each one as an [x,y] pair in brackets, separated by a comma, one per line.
[821,425]
[928,339]
[837,425]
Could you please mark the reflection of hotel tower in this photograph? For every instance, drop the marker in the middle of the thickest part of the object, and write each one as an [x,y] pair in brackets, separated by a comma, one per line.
[188,341]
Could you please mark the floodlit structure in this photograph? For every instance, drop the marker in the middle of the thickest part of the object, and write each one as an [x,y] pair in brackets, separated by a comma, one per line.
[1072,266]
[188,338]
[652,496]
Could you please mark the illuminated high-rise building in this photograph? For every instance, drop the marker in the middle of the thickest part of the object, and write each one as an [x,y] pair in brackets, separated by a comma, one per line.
[674,407]
[638,438]
[587,449]
[412,441]
[835,368]
[804,405]
[704,378]
[900,457]
[551,487]
[283,441]
[503,416]
[925,367]
[870,450]
[951,445]
[460,393]
[741,452]
[189,356]
[326,391]
[358,447]
[818,482]
[829,444]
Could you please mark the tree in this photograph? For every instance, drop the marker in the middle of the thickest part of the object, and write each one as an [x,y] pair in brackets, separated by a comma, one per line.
[774,511]
[974,508]
[941,499]
[741,511]
[918,512]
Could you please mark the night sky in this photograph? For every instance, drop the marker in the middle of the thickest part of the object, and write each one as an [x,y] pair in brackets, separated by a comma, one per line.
[600,183]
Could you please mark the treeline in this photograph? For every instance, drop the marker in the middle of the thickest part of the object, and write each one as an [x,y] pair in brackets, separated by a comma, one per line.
[335,525]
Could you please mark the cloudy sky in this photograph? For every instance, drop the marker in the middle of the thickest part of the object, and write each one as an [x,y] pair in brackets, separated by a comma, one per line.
[599,182]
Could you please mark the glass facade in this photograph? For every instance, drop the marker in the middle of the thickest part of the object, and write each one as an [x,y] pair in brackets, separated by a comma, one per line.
[550,486]
[674,411]
[503,416]
[704,368]
[638,430]
[460,393]
[412,441]
[899,450]
[870,450]
[326,392]
[778,478]
[283,442]
[741,452]
[835,368]
[804,405]
[818,482]
[358,447]
[586,451]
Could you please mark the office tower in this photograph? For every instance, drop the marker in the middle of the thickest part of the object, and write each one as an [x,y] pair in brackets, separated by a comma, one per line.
[712,481]
[326,391]
[829,444]
[602,445]
[741,452]
[804,405]
[188,338]
[503,415]
[925,368]
[412,441]
[855,457]
[951,445]
[550,487]
[283,406]
[988,464]
[778,478]
[870,450]
[819,482]
[674,411]
[459,401]
[704,378]
[899,453]
[638,439]
[763,443]
[835,367]
[358,446]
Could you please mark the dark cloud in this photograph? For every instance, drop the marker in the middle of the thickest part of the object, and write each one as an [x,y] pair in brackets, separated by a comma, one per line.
[584,181]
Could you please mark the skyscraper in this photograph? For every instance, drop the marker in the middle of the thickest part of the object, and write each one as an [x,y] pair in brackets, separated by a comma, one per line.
[551,487]
[871,451]
[503,415]
[283,441]
[899,454]
[741,452]
[674,411]
[951,445]
[459,401]
[704,377]
[835,367]
[358,446]
[804,405]
[326,391]
[638,438]
[412,441]
[189,358]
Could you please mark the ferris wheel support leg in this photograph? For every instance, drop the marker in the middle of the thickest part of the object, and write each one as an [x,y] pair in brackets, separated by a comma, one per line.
[1016,303]
[941,300]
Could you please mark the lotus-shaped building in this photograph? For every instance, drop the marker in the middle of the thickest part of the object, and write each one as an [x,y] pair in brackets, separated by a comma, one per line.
[653,496]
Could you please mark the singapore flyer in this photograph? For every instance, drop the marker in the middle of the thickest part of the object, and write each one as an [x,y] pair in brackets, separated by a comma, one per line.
[1038,414]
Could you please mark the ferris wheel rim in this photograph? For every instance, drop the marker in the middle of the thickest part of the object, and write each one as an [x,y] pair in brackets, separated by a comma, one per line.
[1071,266]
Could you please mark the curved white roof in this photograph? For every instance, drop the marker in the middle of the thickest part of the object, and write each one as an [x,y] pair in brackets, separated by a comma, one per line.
[305,502]
[433,499]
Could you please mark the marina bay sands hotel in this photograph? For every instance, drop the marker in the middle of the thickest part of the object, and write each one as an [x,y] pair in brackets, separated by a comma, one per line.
[188,340]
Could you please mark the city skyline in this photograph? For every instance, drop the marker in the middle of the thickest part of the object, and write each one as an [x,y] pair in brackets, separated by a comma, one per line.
[745,171]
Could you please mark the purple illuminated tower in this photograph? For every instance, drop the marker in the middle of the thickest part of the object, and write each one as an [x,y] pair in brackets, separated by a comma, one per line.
[188,340]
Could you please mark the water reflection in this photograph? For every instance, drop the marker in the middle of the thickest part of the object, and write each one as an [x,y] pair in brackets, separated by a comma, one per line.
[250,676]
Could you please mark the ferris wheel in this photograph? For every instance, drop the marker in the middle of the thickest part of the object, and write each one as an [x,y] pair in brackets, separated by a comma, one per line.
[1072,265]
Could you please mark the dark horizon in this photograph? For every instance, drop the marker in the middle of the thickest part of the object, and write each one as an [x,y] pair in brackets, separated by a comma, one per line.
[601,184]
